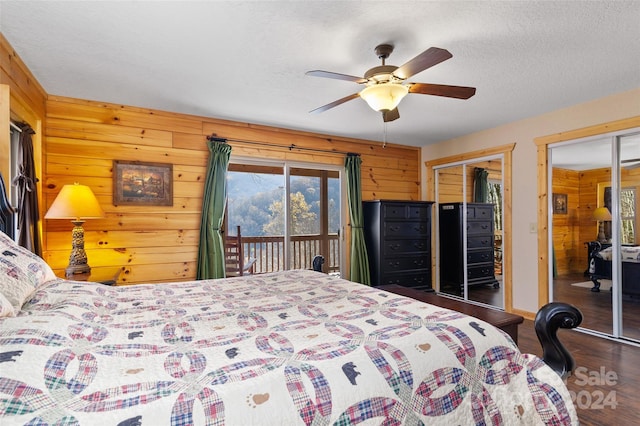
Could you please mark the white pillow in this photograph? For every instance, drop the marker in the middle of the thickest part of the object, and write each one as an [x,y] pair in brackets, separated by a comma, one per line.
[21,272]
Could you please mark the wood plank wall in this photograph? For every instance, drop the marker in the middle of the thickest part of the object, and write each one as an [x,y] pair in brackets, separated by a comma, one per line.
[450,189]
[573,230]
[158,243]
[22,99]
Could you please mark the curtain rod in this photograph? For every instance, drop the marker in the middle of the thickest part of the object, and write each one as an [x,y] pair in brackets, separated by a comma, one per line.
[15,127]
[291,147]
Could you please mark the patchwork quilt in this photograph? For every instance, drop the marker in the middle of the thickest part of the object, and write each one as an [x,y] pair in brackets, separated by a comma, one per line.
[288,348]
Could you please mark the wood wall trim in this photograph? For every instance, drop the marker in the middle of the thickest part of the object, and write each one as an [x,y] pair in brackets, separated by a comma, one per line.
[543,143]
[486,152]
[507,153]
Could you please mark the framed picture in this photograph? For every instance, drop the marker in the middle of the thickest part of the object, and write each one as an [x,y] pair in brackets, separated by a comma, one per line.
[142,184]
[559,203]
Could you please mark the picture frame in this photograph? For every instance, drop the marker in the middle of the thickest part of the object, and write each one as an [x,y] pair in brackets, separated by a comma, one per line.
[137,183]
[559,203]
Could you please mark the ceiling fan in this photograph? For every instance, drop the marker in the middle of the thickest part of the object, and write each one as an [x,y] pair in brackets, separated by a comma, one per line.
[386,85]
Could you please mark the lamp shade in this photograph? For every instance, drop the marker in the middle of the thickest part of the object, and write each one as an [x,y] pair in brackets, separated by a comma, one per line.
[601,213]
[385,96]
[75,202]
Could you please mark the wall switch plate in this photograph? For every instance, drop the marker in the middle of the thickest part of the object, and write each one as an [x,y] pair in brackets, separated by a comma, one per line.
[533,228]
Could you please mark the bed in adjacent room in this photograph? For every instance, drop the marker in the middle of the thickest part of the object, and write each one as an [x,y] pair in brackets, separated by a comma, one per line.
[295,347]
[600,267]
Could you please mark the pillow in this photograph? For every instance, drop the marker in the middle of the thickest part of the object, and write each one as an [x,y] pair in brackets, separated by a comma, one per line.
[21,272]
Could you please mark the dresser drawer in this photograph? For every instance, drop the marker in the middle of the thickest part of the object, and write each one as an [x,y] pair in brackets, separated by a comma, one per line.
[479,256]
[480,271]
[479,212]
[418,279]
[484,241]
[406,229]
[406,263]
[479,228]
[414,245]
[403,211]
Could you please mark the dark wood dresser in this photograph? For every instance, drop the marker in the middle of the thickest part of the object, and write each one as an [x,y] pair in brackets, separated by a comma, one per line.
[398,239]
[480,251]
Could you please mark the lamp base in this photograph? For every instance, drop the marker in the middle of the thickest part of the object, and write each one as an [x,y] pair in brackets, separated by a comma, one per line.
[78,257]
[73,270]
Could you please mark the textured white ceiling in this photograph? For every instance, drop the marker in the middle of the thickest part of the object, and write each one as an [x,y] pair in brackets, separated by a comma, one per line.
[246,60]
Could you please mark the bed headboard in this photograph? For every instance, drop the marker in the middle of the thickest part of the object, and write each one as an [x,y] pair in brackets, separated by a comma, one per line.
[6,211]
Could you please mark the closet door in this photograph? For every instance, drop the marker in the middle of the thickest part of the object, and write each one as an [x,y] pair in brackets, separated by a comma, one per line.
[627,294]
[594,240]
[470,206]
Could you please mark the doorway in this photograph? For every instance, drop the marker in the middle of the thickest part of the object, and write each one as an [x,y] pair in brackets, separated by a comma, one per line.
[287,214]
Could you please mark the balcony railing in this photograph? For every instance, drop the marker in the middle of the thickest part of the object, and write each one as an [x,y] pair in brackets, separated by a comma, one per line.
[268,252]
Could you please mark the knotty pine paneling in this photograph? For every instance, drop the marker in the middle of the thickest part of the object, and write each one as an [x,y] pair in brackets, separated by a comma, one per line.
[159,243]
[568,246]
[22,99]
[573,230]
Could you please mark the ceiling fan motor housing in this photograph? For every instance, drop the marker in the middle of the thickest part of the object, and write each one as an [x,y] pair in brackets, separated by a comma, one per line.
[382,74]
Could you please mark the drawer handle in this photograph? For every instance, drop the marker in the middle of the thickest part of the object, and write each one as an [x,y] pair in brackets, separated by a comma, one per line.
[418,228]
[394,246]
[394,228]
[419,245]
[418,262]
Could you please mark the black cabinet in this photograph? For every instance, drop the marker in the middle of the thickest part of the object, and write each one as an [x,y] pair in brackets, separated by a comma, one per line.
[480,250]
[398,239]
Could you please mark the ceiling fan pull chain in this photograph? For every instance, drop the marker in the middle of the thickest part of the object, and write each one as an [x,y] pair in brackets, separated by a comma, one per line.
[384,134]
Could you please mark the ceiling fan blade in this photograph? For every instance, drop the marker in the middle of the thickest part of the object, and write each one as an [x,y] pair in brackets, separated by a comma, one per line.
[387,116]
[336,76]
[335,103]
[427,59]
[460,92]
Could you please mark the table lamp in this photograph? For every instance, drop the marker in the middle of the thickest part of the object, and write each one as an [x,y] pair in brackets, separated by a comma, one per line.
[601,214]
[76,202]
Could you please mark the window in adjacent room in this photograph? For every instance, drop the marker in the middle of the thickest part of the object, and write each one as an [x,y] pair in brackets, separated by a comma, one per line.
[628,215]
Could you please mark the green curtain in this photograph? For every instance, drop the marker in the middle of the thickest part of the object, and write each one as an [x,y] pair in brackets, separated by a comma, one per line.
[211,248]
[359,268]
[480,185]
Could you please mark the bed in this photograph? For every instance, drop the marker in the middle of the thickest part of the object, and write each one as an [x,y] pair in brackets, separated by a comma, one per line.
[287,348]
[600,267]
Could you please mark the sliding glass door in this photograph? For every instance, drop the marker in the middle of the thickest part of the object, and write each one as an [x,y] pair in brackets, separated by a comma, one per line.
[287,214]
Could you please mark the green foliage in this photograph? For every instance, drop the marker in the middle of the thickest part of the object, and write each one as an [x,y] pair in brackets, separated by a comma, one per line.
[303,220]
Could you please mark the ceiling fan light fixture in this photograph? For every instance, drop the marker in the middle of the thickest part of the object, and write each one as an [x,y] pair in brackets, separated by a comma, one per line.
[384,97]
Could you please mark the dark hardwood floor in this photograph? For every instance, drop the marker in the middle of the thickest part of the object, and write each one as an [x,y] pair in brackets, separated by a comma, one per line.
[596,308]
[605,382]
[607,373]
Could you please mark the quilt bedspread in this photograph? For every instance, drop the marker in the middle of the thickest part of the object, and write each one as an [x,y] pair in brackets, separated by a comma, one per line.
[288,348]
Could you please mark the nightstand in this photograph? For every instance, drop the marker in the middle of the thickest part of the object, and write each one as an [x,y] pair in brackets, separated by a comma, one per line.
[106,276]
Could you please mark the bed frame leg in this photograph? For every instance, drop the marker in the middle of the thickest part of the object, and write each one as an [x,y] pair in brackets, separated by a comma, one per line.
[548,319]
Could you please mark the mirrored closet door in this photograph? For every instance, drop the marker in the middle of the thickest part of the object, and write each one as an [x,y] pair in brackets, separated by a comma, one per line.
[593,224]
[469,198]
